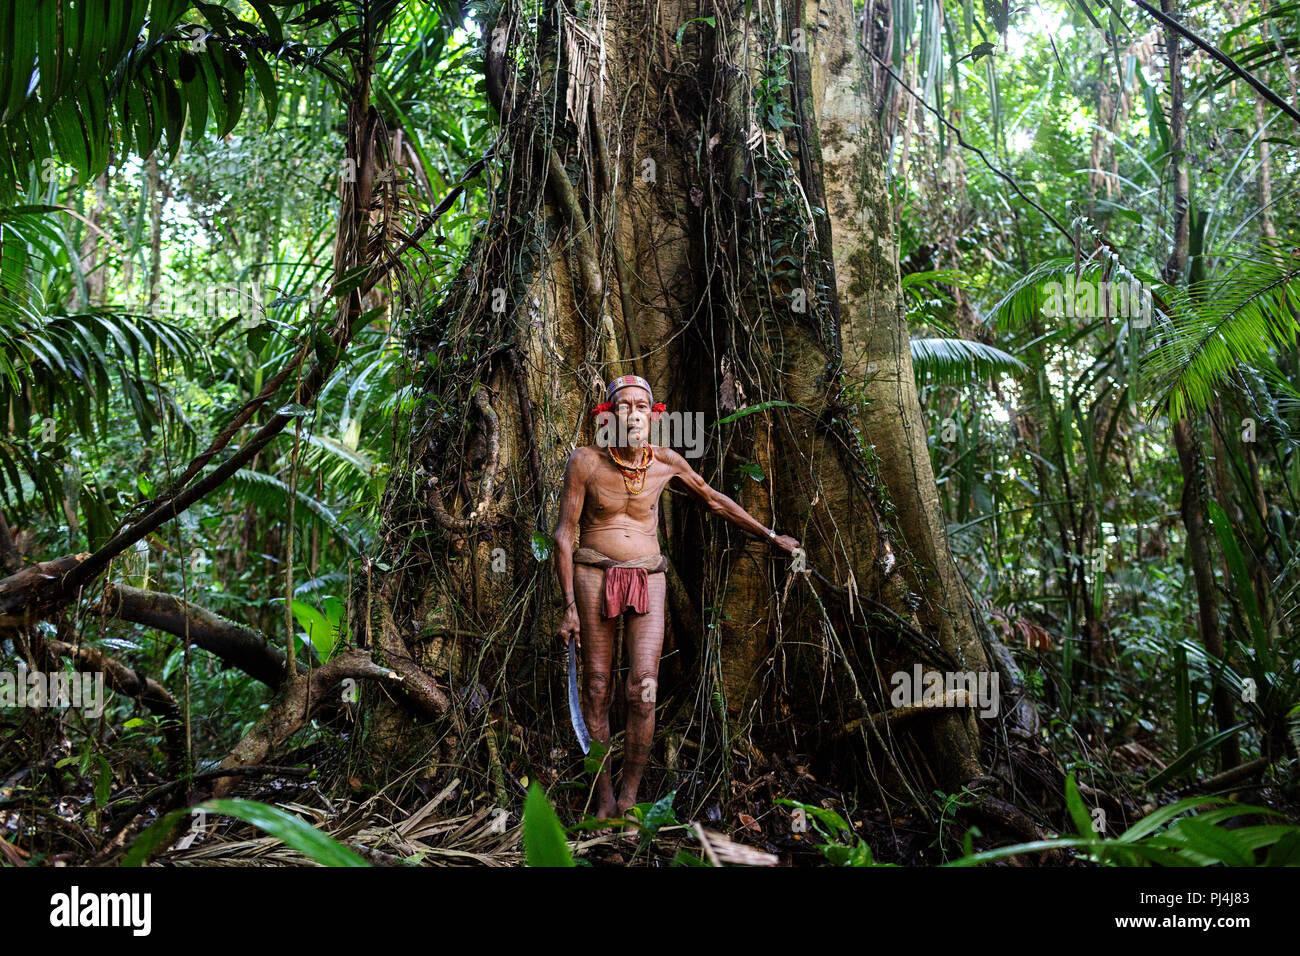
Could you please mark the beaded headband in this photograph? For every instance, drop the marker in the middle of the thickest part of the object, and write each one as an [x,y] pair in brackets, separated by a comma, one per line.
[626,381]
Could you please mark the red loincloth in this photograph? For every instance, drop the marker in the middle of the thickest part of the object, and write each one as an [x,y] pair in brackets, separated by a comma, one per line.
[625,588]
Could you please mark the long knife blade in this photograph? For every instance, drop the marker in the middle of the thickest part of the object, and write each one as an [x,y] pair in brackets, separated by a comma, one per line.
[575,703]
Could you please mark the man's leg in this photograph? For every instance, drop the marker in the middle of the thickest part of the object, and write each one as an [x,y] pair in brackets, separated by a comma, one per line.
[645,642]
[597,659]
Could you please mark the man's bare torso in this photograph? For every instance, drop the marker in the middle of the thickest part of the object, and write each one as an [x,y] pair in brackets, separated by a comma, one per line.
[615,523]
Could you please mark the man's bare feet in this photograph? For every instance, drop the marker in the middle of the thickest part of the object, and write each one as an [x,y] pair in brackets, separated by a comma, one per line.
[606,807]
[632,832]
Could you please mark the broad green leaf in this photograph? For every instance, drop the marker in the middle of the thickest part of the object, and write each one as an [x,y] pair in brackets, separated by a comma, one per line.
[290,830]
[544,842]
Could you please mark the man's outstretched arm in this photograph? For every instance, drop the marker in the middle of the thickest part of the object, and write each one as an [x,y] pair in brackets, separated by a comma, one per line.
[719,503]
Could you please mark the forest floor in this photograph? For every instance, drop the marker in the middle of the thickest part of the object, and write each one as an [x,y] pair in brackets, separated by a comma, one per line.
[62,809]
[55,811]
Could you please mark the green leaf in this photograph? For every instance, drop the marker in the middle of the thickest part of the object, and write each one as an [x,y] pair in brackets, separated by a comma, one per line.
[949,361]
[542,545]
[103,781]
[1241,579]
[821,814]
[154,837]
[351,280]
[1240,316]
[681,30]
[1213,842]
[1286,851]
[659,814]
[544,842]
[266,84]
[322,634]
[1078,812]
[755,409]
[594,761]
[686,858]
[290,830]
[1186,761]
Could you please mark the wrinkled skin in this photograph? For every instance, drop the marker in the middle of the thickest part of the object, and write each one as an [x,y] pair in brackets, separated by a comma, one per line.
[624,526]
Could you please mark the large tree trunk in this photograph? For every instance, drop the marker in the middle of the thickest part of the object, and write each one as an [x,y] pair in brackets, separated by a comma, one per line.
[877,352]
[650,217]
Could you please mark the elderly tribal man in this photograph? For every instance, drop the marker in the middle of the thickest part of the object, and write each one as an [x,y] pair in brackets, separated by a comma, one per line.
[611,497]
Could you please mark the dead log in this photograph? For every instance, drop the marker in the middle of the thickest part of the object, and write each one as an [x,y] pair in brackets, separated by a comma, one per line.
[26,595]
[237,645]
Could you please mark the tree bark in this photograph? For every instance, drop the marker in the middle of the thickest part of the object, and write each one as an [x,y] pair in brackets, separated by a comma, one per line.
[877,352]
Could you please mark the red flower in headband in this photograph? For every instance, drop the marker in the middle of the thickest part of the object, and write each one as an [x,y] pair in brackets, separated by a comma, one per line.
[658,409]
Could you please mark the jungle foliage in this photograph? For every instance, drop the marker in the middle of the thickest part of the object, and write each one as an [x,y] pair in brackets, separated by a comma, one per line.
[170,184]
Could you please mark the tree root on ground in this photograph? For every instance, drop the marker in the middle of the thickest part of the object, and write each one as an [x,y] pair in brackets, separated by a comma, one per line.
[294,706]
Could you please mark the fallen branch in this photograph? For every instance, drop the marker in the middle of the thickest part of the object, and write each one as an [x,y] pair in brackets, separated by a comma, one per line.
[32,592]
[45,597]
[1234,775]
[239,646]
[248,650]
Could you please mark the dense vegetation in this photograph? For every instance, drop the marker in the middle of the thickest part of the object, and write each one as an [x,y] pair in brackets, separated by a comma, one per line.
[171,191]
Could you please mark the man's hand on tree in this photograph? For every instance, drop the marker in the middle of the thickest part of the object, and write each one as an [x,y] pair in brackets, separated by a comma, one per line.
[569,627]
[786,543]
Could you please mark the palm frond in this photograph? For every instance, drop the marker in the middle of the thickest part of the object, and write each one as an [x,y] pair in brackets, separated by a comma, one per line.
[1238,317]
[83,82]
[959,361]
[1052,278]
[269,493]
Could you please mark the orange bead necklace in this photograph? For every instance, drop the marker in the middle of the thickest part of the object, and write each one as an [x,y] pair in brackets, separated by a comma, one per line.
[636,472]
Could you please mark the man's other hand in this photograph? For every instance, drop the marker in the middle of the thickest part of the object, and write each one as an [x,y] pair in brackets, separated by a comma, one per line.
[569,627]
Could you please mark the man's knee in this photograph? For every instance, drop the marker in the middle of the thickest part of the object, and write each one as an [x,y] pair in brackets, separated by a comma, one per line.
[642,691]
[595,688]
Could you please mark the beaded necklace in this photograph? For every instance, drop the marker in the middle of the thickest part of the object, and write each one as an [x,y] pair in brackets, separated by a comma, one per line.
[637,472]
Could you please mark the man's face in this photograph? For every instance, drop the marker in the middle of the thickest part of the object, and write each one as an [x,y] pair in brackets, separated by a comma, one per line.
[632,406]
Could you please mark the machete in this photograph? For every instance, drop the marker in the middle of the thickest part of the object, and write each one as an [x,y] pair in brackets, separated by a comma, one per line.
[575,703]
